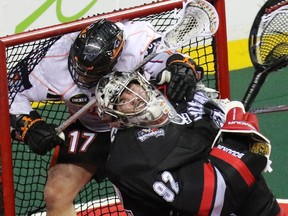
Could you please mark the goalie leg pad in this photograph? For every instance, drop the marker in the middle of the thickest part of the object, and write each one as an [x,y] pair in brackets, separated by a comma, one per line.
[260,201]
[239,166]
[242,125]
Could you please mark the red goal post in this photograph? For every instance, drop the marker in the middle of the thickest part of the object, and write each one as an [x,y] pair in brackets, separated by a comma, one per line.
[22,171]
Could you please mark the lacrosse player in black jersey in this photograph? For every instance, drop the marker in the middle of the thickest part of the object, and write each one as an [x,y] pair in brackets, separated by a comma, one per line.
[162,160]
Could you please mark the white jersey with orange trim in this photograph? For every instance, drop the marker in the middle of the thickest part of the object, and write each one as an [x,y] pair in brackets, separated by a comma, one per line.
[51,79]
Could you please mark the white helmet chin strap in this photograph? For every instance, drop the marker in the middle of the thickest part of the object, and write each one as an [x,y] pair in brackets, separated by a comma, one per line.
[161,106]
[157,112]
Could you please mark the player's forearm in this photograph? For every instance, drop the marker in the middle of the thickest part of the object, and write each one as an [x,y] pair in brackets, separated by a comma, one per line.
[20,105]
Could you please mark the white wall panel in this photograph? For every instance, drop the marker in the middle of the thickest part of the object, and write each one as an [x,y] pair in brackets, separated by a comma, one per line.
[17,15]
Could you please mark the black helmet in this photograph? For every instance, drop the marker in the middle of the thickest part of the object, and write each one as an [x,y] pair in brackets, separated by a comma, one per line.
[95,52]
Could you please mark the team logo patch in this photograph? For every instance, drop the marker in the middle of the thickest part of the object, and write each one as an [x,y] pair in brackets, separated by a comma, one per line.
[260,148]
[145,134]
[79,99]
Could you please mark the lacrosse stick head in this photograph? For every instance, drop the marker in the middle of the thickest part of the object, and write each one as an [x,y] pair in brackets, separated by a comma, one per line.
[278,56]
[268,40]
[198,18]
[268,45]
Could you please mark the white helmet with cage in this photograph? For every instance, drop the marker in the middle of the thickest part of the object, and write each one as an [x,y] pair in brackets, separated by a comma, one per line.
[150,107]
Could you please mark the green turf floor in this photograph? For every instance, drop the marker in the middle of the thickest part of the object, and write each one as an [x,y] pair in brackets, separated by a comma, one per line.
[273,125]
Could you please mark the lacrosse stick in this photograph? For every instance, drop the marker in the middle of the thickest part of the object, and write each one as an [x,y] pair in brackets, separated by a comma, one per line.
[268,45]
[198,18]
[262,110]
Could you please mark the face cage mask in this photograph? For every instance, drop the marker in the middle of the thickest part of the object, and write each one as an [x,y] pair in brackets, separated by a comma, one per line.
[82,79]
[88,77]
[156,111]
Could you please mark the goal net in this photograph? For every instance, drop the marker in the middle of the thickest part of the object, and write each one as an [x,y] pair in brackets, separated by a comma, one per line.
[23,172]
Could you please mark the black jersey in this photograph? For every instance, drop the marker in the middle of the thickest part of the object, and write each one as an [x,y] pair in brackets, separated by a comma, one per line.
[145,160]
[173,169]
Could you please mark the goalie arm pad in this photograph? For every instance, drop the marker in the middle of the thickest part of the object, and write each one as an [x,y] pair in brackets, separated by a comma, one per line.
[239,166]
[35,132]
[240,125]
[181,75]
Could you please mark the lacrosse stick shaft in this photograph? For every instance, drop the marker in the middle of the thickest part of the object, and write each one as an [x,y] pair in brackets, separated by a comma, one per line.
[259,78]
[145,60]
[263,110]
[75,116]
[253,89]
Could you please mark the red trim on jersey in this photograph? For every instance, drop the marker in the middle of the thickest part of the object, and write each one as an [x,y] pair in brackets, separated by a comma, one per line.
[208,190]
[54,156]
[238,164]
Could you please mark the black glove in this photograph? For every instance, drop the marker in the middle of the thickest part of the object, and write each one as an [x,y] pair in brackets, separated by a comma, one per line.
[34,131]
[181,76]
